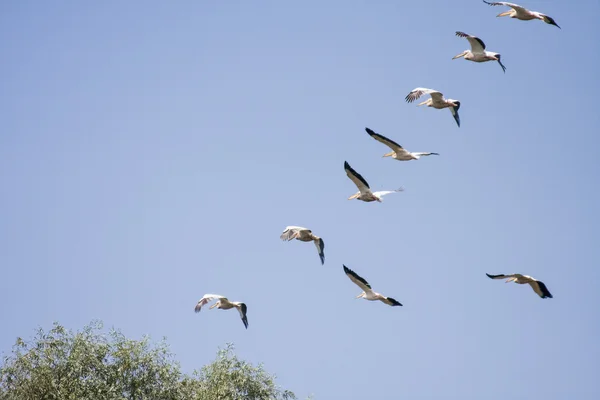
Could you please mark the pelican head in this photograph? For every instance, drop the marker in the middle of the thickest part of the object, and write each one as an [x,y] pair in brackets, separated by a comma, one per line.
[355,195]
[363,294]
[508,13]
[214,305]
[425,103]
[464,53]
[390,154]
[510,280]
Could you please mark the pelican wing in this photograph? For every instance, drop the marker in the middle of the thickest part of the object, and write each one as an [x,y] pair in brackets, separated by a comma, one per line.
[388,142]
[501,276]
[321,248]
[243,310]
[291,232]
[454,111]
[418,92]
[540,288]
[420,154]
[206,299]
[477,45]
[384,192]
[515,7]
[357,279]
[391,302]
[357,178]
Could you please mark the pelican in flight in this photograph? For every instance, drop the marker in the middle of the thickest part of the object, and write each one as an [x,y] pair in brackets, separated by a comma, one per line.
[537,286]
[364,192]
[437,100]
[368,293]
[522,13]
[304,235]
[478,52]
[224,304]
[398,152]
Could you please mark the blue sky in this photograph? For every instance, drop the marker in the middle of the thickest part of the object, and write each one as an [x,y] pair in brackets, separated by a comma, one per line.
[151,152]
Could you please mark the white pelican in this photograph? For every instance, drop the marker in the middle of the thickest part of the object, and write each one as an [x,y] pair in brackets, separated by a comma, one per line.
[398,152]
[368,293]
[522,13]
[304,235]
[437,100]
[364,192]
[224,304]
[478,52]
[537,286]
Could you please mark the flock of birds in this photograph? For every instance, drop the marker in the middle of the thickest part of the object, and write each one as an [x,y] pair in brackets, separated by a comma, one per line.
[477,53]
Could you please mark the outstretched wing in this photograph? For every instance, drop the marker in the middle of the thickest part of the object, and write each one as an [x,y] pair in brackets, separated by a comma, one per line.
[454,111]
[291,232]
[357,279]
[540,288]
[243,310]
[384,192]
[321,248]
[418,92]
[388,142]
[515,7]
[392,302]
[477,45]
[357,178]
[501,276]
[425,154]
[206,299]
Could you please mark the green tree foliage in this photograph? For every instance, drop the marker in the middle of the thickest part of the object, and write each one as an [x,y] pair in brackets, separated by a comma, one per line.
[61,365]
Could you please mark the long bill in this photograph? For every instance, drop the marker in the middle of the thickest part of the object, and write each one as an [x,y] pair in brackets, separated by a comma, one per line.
[504,14]
[464,53]
[354,196]
[390,154]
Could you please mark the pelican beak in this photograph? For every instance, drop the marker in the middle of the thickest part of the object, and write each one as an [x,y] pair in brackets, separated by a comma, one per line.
[459,55]
[354,196]
[504,14]
[390,154]
[360,295]
[423,103]
[213,306]
[509,280]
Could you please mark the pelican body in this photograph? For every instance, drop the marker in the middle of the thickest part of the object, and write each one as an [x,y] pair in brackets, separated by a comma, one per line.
[223,304]
[478,53]
[538,286]
[436,100]
[368,293]
[364,191]
[304,235]
[522,13]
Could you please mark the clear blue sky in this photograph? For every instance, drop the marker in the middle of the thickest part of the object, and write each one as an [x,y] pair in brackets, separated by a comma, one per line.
[151,152]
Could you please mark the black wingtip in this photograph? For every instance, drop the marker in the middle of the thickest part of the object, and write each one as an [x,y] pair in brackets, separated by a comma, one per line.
[370,131]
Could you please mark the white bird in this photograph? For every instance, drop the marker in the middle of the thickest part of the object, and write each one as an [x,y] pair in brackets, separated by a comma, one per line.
[368,293]
[304,235]
[522,13]
[437,100]
[224,304]
[537,286]
[398,152]
[364,192]
[478,52]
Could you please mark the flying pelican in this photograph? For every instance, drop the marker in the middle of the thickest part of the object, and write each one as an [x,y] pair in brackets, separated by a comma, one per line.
[364,192]
[224,304]
[304,235]
[478,52]
[522,13]
[368,293]
[437,100]
[398,152]
[537,286]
